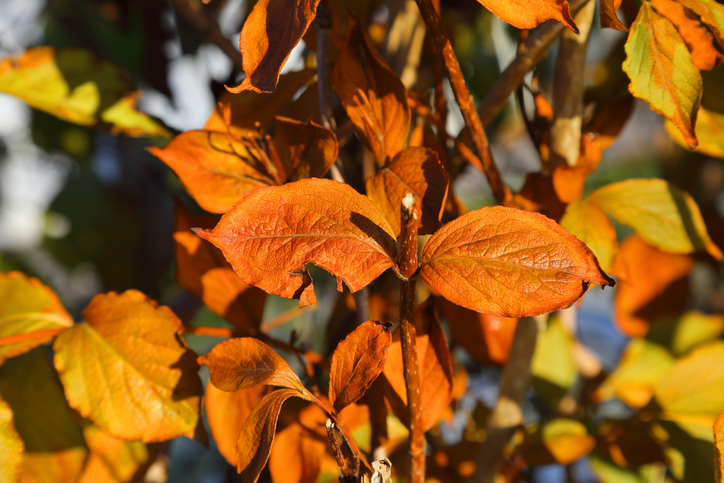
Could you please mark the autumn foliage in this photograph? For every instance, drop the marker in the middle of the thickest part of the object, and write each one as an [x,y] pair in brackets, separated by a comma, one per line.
[347,168]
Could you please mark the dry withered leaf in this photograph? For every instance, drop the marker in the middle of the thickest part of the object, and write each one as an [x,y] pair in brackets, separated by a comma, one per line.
[653,284]
[215,167]
[374,97]
[270,32]
[609,17]
[226,413]
[128,337]
[509,262]
[272,233]
[357,362]
[434,367]
[28,306]
[699,40]
[528,14]
[413,170]
[257,434]
[247,362]
[306,149]
[203,271]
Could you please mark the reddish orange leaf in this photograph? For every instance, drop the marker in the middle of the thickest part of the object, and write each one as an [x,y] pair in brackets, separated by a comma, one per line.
[226,413]
[653,284]
[509,262]
[357,362]
[528,14]
[413,170]
[248,108]
[28,306]
[299,449]
[270,33]
[202,270]
[487,338]
[306,149]
[127,337]
[697,37]
[246,362]
[273,232]
[609,17]
[257,434]
[216,168]
[435,368]
[374,97]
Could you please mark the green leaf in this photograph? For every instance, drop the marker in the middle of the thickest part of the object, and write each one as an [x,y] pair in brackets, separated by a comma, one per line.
[661,214]
[662,72]
[73,85]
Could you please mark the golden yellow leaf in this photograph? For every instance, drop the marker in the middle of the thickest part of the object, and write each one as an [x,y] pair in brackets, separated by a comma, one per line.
[11,456]
[591,225]
[709,130]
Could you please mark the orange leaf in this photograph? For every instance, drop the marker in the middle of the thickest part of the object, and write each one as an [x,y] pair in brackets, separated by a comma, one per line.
[226,413]
[435,368]
[257,434]
[249,108]
[509,262]
[246,362]
[112,460]
[609,17]
[306,149]
[487,338]
[54,446]
[413,170]
[273,232]
[719,446]
[711,13]
[662,72]
[697,37]
[270,33]
[653,284]
[299,449]
[528,14]
[216,168]
[127,337]
[202,270]
[28,306]
[357,362]
[374,97]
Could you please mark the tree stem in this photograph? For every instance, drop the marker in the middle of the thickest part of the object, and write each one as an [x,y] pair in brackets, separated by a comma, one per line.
[444,48]
[408,336]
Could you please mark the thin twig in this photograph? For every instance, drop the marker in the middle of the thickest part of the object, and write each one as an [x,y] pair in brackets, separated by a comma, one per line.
[462,95]
[507,415]
[201,21]
[408,336]
[568,90]
[535,49]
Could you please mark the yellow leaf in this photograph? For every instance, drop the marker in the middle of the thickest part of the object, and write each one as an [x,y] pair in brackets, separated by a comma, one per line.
[661,214]
[662,72]
[709,130]
[136,379]
[73,85]
[558,441]
[591,225]
[719,447]
[553,366]
[112,460]
[11,456]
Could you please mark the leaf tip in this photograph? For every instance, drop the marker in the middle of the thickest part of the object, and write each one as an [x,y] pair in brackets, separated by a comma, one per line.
[713,250]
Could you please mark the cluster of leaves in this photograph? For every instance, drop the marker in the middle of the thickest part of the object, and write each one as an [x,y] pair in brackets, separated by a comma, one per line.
[127,380]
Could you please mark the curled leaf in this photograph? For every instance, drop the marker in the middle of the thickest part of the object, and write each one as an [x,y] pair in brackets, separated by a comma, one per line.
[127,337]
[528,14]
[271,234]
[202,270]
[662,72]
[271,31]
[661,214]
[28,306]
[257,434]
[413,170]
[374,97]
[509,262]
[247,362]
[357,362]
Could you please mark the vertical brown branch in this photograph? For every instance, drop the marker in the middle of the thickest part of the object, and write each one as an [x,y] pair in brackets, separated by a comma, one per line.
[534,50]
[408,336]
[507,415]
[568,90]
[462,95]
